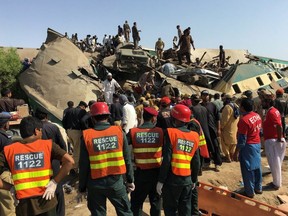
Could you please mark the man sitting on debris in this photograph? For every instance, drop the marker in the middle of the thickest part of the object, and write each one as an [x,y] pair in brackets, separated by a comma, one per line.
[26,64]
[168,69]
[159,47]
[167,90]
[147,81]
[7,103]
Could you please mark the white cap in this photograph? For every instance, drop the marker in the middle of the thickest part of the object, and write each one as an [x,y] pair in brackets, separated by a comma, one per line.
[109,74]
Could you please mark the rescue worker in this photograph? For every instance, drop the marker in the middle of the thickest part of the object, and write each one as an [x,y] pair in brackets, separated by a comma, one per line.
[175,172]
[105,157]
[30,164]
[51,131]
[7,202]
[147,141]
[159,47]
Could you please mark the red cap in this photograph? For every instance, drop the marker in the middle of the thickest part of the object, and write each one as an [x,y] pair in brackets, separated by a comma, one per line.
[165,100]
[280,91]
[151,111]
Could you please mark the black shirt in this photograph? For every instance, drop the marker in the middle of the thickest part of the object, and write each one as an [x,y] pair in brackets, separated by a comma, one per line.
[72,118]
[116,110]
[5,139]
[163,119]
[51,131]
[214,115]
[10,104]
[86,121]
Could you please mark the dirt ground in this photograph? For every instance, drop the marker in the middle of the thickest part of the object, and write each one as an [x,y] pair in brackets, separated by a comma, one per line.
[229,176]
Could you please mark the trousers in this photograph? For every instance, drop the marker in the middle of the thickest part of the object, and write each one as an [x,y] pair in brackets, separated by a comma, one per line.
[117,196]
[177,199]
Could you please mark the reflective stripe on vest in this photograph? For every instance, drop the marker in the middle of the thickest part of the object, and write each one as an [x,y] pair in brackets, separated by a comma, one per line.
[27,185]
[147,147]
[32,174]
[184,145]
[202,139]
[30,165]
[105,149]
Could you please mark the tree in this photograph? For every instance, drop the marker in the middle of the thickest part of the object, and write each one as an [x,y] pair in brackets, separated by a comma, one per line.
[10,66]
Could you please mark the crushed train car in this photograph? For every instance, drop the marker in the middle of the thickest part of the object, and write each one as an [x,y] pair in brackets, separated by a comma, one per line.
[59,73]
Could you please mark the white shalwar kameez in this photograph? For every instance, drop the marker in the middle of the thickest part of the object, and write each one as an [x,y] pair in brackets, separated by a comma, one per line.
[275,152]
[109,90]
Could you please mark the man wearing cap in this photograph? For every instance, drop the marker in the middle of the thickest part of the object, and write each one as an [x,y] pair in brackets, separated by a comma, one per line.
[147,142]
[281,105]
[163,118]
[110,85]
[214,129]
[72,124]
[275,144]
[105,158]
[175,182]
[7,202]
[7,103]
[228,122]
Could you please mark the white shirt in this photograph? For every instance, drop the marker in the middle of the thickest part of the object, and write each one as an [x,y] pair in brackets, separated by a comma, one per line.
[105,40]
[129,117]
[109,90]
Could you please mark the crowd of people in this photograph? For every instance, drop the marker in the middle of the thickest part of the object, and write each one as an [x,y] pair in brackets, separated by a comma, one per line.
[155,147]
[183,43]
[146,144]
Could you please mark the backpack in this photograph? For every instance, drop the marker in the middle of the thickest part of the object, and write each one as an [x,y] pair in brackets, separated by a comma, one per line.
[235,110]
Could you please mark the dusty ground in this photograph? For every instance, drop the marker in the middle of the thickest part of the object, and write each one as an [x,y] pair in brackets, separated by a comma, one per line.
[229,176]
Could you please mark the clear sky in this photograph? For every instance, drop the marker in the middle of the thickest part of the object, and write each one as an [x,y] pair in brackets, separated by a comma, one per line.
[261,26]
